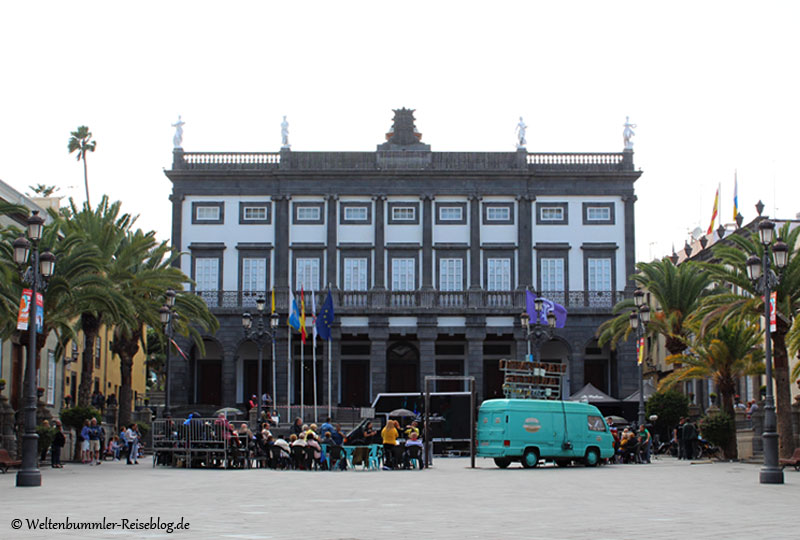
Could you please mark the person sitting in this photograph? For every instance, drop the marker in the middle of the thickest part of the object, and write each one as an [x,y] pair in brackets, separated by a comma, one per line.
[412,428]
[389,435]
[297,426]
[369,433]
[338,436]
[628,446]
[114,447]
[312,430]
[414,450]
[253,403]
[313,444]
[326,427]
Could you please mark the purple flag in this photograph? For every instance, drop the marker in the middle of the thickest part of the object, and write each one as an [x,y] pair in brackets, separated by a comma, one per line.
[548,306]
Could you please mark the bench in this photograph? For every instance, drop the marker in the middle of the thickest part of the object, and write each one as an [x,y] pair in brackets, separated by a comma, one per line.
[794,461]
[6,461]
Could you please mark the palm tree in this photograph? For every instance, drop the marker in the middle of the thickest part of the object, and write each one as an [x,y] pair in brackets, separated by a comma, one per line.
[104,229]
[677,291]
[723,353]
[142,271]
[81,141]
[741,299]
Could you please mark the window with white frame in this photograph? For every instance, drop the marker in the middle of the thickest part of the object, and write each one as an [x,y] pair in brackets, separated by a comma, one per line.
[308,213]
[404,213]
[355,274]
[254,274]
[598,213]
[599,277]
[451,213]
[207,213]
[551,213]
[403,274]
[552,274]
[206,273]
[498,213]
[307,274]
[356,213]
[451,277]
[498,274]
[254,213]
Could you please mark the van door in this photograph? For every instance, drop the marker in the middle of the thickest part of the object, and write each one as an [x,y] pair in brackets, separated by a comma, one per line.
[491,429]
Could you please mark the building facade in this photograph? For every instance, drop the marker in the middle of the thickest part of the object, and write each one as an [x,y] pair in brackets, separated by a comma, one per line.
[427,254]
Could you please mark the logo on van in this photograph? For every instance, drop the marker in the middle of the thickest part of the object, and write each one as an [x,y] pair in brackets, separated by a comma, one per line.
[531,425]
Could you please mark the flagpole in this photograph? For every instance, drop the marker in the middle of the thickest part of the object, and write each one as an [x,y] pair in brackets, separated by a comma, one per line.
[329,377]
[289,378]
[302,380]
[314,349]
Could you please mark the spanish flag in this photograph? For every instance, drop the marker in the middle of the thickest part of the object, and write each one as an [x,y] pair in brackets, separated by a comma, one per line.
[714,213]
[302,316]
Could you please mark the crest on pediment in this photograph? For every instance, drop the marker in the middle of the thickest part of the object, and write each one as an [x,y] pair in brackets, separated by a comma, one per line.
[403,131]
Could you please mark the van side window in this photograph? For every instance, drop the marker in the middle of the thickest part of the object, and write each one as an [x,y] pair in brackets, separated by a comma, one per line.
[596,423]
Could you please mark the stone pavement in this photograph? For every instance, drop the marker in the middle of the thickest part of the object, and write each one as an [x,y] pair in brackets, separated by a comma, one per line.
[666,500]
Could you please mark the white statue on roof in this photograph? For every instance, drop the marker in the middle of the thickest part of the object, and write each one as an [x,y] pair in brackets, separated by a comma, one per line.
[177,139]
[521,128]
[285,133]
[628,133]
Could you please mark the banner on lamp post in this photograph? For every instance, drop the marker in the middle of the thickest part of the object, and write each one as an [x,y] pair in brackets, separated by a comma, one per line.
[773,311]
[24,315]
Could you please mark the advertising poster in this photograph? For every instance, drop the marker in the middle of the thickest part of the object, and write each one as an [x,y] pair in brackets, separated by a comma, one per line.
[24,315]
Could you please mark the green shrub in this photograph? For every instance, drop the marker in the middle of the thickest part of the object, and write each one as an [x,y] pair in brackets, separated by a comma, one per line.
[670,406]
[75,416]
[717,428]
[46,436]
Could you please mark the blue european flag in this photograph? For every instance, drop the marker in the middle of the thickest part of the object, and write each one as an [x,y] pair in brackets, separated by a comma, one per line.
[325,318]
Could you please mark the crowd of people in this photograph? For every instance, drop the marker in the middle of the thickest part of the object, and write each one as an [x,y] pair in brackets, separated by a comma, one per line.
[631,445]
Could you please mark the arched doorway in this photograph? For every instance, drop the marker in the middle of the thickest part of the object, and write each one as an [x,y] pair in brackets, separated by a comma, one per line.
[207,374]
[402,368]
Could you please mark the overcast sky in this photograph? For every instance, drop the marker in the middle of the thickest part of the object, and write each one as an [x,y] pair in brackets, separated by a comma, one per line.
[712,87]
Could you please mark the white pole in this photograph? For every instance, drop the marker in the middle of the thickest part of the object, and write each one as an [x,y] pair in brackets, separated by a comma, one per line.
[302,380]
[289,379]
[314,360]
[329,377]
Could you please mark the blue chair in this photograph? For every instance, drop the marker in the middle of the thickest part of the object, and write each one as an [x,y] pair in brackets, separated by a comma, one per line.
[375,456]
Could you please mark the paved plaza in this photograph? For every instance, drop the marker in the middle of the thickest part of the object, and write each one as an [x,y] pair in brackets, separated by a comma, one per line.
[666,500]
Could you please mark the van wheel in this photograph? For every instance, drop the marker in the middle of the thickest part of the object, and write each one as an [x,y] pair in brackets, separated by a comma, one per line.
[530,458]
[502,462]
[592,457]
[562,462]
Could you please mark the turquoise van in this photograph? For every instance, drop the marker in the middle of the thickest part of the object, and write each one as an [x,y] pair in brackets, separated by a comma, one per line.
[530,430]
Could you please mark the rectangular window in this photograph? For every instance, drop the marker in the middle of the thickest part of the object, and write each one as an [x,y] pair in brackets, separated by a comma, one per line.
[308,213]
[307,274]
[254,213]
[97,351]
[551,213]
[51,378]
[254,274]
[498,276]
[595,423]
[498,213]
[599,274]
[207,213]
[552,277]
[403,274]
[451,213]
[598,213]
[206,273]
[355,275]
[451,277]
[403,213]
[356,213]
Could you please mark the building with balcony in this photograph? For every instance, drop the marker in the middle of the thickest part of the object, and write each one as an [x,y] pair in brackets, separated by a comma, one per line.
[428,256]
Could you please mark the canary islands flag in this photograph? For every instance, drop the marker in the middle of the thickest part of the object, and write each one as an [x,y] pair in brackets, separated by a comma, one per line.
[294,312]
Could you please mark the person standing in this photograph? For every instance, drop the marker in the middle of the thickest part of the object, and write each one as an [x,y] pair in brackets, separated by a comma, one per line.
[85,451]
[644,443]
[94,442]
[389,434]
[132,436]
[689,438]
[58,443]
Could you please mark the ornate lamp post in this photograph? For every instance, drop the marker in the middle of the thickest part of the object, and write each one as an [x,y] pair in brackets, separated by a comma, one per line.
[764,279]
[638,319]
[167,314]
[540,333]
[259,335]
[40,267]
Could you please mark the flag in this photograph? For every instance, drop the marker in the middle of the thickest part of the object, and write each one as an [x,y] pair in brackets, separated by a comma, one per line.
[273,301]
[302,316]
[640,350]
[325,318]
[714,213]
[548,306]
[313,318]
[180,351]
[294,317]
[735,195]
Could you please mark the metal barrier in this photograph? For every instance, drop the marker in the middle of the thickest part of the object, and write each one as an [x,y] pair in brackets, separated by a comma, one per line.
[204,442]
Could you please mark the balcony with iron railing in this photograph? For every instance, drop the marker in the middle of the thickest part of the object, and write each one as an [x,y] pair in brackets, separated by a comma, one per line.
[418,301]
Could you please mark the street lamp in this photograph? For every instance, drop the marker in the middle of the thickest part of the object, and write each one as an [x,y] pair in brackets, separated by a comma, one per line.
[166,313]
[764,279]
[40,267]
[638,320]
[259,335]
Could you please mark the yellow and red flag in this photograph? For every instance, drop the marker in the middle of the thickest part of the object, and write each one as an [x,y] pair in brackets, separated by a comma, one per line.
[640,351]
[714,213]
[302,316]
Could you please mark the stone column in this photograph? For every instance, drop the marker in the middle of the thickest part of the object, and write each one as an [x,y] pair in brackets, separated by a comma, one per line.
[282,221]
[281,354]
[426,334]
[330,249]
[335,344]
[378,336]
[7,438]
[427,242]
[378,296]
[475,242]
[229,360]
[525,234]
[473,363]
[630,241]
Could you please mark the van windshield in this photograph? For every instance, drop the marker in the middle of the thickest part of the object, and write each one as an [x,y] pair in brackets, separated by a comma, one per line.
[596,423]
